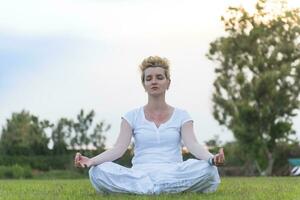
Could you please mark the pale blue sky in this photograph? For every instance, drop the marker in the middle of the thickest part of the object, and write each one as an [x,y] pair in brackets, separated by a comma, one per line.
[59,56]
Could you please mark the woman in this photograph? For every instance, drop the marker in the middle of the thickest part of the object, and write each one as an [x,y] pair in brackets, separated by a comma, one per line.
[157,129]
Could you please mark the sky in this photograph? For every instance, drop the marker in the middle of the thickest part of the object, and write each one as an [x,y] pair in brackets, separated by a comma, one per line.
[60,56]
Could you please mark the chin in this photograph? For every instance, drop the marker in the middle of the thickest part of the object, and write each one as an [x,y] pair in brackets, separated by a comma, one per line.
[156,93]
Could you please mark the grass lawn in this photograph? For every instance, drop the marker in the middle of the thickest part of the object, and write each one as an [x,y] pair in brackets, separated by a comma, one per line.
[266,188]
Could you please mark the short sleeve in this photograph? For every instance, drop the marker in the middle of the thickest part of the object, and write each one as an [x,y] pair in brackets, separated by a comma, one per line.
[130,117]
[185,117]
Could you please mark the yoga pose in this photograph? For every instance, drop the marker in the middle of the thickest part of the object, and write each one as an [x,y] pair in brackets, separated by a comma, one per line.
[158,130]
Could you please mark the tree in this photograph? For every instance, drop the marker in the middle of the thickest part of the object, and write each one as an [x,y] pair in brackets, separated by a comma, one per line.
[214,144]
[97,138]
[258,80]
[81,128]
[60,133]
[24,134]
[83,138]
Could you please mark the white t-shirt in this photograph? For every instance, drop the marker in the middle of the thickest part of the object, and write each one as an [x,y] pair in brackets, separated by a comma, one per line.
[154,144]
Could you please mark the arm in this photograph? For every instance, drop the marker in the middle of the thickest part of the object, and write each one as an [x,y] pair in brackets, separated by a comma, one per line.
[190,141]
[116,152]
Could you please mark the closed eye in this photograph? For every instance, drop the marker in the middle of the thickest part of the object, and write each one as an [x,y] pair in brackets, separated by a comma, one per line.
[148,78]
[160,77]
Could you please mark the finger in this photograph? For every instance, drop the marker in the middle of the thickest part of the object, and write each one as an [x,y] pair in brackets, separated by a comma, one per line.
[82,165]
[221,160]
[217,158]
[216,161]
[219,163]
[75,159]
[221,151]
[222,156]
[77,164]
[77,156]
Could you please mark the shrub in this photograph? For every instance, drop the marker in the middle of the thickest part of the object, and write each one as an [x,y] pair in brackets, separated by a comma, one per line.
[5,172]
[16,171]
[39,162]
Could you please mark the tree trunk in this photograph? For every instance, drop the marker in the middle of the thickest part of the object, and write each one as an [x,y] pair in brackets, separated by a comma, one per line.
[270,163]
[258,168]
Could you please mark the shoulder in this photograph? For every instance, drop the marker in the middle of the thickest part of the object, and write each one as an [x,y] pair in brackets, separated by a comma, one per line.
[182,116]
[132,116]
[181,111]
[134,111]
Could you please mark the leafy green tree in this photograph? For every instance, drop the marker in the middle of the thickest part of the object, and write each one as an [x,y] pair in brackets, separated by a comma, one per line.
[97,138]
[60,134]
[81,139]
[258,78]
[24,134]
[214,144]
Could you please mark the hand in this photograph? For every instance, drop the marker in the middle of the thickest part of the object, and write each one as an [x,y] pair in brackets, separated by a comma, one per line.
[81,161]
[219,158]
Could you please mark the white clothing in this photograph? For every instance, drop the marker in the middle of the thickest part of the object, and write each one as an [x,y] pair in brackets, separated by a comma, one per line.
[156,144]
[157,163]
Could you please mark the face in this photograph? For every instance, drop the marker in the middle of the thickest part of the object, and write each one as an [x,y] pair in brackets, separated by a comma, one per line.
[155,82]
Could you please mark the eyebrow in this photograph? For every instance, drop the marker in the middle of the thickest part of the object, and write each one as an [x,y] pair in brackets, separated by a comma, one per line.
[155,75]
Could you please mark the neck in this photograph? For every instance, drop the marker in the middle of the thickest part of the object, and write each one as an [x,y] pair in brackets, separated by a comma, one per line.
[157,103]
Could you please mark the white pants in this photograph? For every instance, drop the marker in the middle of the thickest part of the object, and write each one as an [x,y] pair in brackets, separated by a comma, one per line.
[191,175]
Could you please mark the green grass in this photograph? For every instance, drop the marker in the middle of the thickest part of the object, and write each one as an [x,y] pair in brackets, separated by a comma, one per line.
[264,188]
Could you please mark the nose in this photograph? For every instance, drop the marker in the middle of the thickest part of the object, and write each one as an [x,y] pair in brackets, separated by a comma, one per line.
[153,81]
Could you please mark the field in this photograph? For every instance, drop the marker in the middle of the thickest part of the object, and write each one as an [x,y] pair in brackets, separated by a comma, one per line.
[273,188]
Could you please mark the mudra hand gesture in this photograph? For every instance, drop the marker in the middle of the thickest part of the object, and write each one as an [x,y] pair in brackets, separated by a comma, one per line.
[219,158]
[81,161]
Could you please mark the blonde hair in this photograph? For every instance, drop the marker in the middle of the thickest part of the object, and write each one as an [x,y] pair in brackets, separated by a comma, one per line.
[154,61]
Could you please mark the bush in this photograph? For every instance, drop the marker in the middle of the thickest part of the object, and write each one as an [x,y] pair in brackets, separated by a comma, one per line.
[44,163]
[5,172]
[15,171]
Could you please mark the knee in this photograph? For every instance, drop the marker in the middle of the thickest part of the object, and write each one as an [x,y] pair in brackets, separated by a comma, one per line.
[212,173]
[97,170]
[91,172]
[96,183]
[213,179]
[94,172]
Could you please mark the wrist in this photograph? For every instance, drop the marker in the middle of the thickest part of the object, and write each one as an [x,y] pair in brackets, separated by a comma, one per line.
[92,162]
[211,161]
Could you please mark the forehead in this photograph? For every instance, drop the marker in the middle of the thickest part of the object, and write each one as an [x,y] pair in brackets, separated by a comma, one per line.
[154,71]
